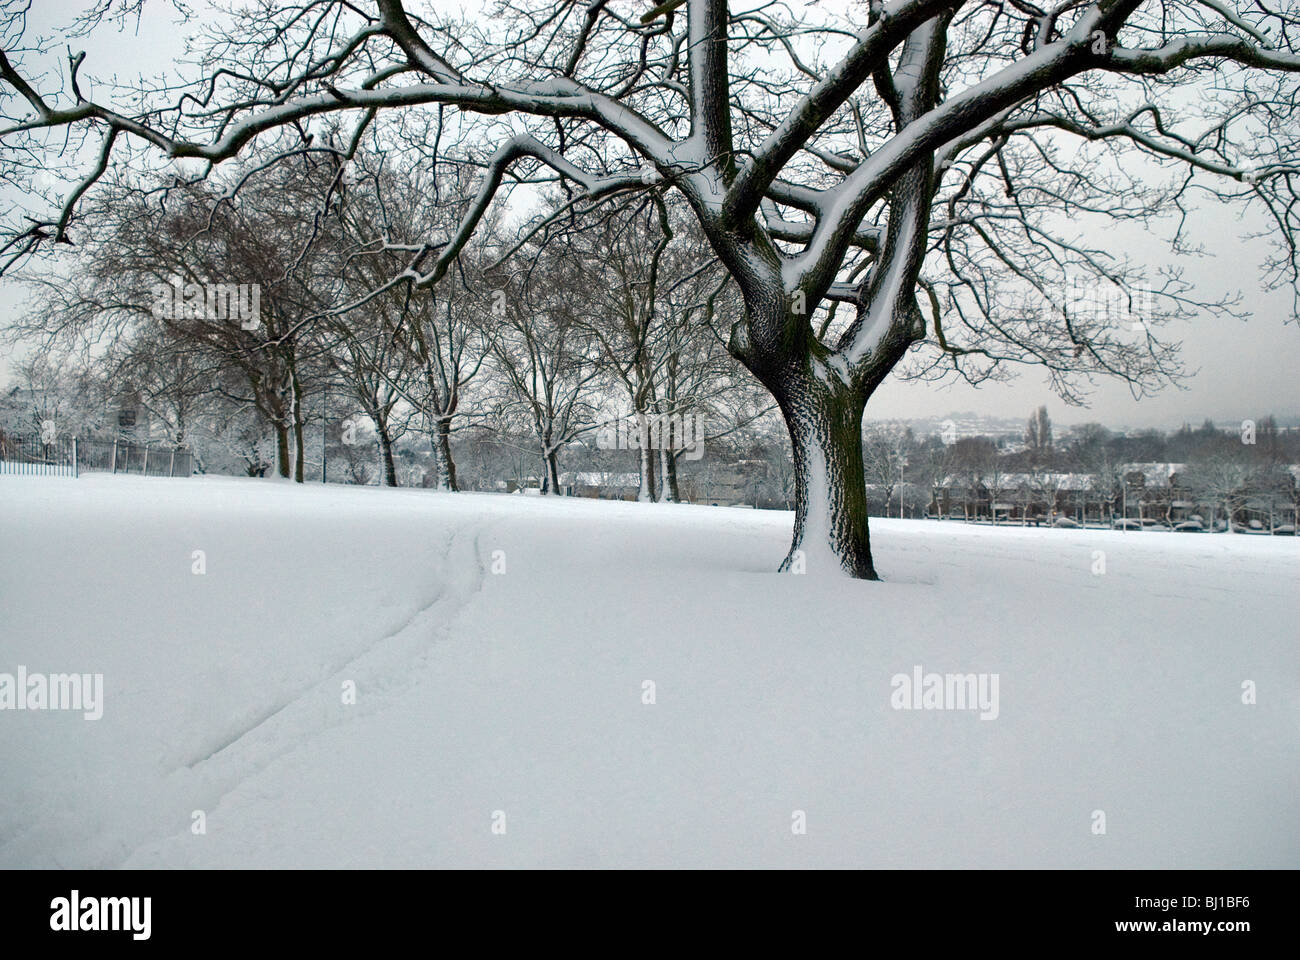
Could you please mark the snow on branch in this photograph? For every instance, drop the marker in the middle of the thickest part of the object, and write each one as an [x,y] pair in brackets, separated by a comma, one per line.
[893,25]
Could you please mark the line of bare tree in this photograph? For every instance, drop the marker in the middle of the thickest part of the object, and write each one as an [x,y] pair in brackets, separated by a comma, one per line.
[549,328]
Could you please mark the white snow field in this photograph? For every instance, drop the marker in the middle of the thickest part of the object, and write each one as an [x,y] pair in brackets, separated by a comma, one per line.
[515,700]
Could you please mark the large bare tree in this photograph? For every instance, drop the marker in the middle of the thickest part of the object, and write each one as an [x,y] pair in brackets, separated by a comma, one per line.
[921,164]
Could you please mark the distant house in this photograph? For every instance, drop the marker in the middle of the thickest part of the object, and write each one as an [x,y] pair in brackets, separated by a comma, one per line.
[1022,497]
[132,419]
[725,484]
[715,484]
[1150,491]
[527,485]
[1144,492]
[1159,476]
[599,484]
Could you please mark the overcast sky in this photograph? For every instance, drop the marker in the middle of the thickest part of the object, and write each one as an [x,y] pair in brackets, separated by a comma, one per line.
[1243,369]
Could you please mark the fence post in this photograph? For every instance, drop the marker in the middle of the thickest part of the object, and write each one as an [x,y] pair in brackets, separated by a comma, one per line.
[114,455]
[144,472]
[76,472]
[171,467]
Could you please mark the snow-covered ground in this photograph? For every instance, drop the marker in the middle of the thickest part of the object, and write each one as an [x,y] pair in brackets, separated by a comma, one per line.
[516,699]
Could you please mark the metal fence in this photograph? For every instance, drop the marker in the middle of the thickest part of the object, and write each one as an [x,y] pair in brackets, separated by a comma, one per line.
[71,456]
[31,456]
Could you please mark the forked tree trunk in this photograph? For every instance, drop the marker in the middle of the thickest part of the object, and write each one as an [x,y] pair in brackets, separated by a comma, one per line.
[830,523]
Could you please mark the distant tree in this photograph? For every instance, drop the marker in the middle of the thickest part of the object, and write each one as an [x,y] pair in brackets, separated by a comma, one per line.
[885,452]
[1106,474]
[1087,436]
[774,450]
[546,358]
[1270,482]
[239,439]
[1146,446]
[1038,434]
[978,461]
[58,399]
[226,283]
[173,381]
[1268,443]
[649,282]
[1221,480]
[423,346]
[931,466]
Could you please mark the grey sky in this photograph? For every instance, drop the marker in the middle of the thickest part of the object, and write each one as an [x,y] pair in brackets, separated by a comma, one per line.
[1244,369]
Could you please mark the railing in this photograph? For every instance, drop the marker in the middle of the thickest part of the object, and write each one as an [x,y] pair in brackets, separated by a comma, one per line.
[29,456]
[71,456]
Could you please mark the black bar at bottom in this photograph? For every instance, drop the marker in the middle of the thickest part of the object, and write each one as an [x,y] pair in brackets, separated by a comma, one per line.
[333,909]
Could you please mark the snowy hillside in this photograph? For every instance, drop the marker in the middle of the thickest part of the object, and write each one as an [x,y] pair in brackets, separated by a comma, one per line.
[499,649]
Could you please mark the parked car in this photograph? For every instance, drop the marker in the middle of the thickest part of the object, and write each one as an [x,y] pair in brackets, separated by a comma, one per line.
[1129,524]
[1190,526]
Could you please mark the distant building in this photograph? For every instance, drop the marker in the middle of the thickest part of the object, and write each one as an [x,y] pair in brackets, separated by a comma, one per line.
[604,485]
[724,484]
[131,418]
[1144,493]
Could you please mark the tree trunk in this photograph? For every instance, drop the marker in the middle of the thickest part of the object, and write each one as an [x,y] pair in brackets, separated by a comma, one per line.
[299,448]
[386,454]
[444,466]
[550,473]
[668,491]
[830,522]
[646,460]
[282,449]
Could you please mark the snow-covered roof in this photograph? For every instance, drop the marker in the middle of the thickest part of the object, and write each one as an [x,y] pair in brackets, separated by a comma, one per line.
[1154,473]
[1048,481]
[1012,481]
[1074,481]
